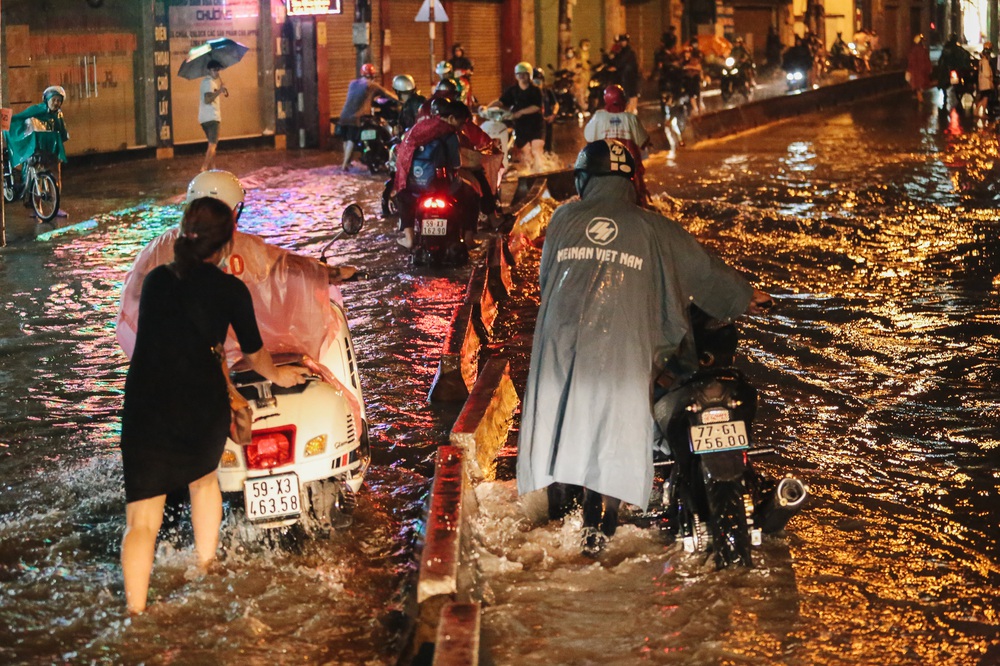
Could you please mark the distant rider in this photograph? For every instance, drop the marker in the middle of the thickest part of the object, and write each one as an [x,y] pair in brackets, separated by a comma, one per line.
[432,146]
[360,93]
[744,60]
[614,122]
[410,100]
[524,101]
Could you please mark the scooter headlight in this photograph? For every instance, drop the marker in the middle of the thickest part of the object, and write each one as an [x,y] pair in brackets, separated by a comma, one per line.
[730,62]
[798,76]
[316,446]
[790,76]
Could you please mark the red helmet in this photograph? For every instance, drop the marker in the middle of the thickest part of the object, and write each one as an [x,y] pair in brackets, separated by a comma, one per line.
[614,98]
[368,70]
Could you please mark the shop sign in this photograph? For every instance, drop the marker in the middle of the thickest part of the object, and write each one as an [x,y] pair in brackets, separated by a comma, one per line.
[312,7]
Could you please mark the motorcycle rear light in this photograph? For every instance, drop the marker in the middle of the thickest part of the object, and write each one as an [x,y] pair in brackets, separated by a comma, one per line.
[271,448]
[716,415]
[434,203]
[229,459]
[316,446]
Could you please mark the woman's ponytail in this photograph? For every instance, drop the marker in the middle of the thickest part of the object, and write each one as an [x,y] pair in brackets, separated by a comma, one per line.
[207,226]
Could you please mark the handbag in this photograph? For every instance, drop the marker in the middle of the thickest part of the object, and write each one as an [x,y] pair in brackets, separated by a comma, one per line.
[241,421]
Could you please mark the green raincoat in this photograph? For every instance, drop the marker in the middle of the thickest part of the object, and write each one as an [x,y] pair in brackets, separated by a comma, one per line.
[36,129]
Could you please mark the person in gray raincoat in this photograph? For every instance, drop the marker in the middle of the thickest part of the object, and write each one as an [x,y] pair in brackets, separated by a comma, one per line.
[616,282]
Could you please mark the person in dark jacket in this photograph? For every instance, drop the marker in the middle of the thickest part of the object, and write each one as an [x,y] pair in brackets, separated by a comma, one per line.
[550,107]
[616,284]
[626,64]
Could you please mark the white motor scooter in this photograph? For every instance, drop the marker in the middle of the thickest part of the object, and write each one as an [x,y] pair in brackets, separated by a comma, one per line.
[309,449]
[495,125]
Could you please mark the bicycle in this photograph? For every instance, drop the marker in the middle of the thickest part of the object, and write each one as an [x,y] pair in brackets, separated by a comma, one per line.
[36,185]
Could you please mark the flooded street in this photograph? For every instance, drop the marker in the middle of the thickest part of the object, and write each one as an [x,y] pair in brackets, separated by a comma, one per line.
[875,229]
[62,499]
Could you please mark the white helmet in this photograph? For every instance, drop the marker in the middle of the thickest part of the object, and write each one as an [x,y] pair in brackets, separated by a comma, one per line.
[220,185]
[53,90]
[403,83]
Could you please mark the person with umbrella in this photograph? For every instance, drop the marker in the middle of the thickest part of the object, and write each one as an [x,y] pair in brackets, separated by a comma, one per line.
[210,110]
[205,62]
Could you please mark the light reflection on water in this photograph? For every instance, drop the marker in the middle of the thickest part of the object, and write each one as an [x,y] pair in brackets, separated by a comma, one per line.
[877,376]
[62,503]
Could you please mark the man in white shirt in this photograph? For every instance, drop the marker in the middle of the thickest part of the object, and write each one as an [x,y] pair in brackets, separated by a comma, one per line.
[210,111]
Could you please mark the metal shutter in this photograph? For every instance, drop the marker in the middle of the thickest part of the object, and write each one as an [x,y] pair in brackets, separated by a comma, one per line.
[644,24]
[411,44]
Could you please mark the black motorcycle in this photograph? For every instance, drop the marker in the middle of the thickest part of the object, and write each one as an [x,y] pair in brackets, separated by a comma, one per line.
[601,76]
[735,79]
[713,499]
[377,134]
[564,87]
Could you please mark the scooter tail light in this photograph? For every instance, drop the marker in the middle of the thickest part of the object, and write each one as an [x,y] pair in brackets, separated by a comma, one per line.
[434,203]
[269,448]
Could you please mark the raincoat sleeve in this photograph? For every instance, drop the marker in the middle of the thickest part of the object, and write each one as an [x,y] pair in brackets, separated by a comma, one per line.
[704,279]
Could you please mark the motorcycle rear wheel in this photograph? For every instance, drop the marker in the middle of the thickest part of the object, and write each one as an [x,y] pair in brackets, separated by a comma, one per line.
[45,196]
[9,188]
[728,524]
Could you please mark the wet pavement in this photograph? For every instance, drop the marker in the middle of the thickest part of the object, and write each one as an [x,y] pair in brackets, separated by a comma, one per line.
[874,226]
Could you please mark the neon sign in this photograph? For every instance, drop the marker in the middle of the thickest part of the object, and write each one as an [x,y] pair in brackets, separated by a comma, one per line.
[312,7]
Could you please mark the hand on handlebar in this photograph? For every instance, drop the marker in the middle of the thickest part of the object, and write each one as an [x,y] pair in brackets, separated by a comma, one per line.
[341,273]
[290,375]
[760,302]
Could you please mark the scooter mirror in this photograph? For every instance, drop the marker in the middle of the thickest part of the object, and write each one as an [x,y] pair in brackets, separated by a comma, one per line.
[352,220]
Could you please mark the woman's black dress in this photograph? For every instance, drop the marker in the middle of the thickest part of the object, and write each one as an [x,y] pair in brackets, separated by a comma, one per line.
[175,418]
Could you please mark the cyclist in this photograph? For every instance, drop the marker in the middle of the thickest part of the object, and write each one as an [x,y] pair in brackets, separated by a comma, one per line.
[40,129]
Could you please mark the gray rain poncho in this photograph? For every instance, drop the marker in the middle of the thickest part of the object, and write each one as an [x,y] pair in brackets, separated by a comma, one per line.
[616,281]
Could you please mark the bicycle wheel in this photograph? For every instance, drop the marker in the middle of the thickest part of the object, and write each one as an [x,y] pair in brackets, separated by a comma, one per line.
[45,196]
[9,189]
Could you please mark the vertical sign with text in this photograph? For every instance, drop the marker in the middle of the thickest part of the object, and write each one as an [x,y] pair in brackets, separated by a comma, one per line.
[161,73]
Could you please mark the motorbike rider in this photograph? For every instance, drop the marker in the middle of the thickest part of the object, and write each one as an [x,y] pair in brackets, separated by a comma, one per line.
[616,284]
[432,145]
[23,139]
[359,97]
[410,99]
[953,58]
[985,81]
[840,57]
[614,122]
[550,106]
[458,61]
[693,70]
[524,101]
[626,63]
[744,60]
[274,276]
[798,57]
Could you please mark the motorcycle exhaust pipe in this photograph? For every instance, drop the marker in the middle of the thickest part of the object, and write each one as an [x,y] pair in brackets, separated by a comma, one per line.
[781,504]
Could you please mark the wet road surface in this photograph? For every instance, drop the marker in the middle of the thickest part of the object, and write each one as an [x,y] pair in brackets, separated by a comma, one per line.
[875,228]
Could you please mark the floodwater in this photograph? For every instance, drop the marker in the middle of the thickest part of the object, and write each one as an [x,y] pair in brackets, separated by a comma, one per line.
[875,230]
[875,227]
[62,498]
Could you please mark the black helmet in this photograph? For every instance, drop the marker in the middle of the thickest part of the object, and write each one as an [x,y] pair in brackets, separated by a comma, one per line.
[446,86]
[538,73]
[606,157]
[622,37]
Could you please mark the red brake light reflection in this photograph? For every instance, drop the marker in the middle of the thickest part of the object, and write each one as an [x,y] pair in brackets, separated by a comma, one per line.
[434,203]
[271,448]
